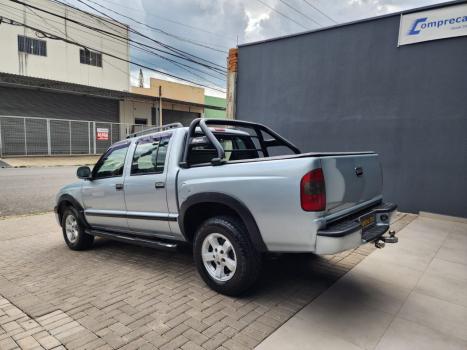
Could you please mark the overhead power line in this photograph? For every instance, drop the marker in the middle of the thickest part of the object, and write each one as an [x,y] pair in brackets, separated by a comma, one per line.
[182,66]
[159,30]
[132,30]
[61,31]
[300,13]
[282,14]
[56,37]
[175,52]
[317,9]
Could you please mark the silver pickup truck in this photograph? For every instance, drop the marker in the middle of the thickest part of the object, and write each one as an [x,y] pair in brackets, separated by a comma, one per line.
[232,189]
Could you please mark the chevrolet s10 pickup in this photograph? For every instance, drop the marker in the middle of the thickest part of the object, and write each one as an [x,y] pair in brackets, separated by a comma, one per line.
[234,190]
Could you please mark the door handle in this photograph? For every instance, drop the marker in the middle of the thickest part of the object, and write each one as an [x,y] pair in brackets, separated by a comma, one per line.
[119,187]
[160,185]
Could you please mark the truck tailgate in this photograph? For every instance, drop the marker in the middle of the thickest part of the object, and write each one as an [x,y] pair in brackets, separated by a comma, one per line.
[351,179]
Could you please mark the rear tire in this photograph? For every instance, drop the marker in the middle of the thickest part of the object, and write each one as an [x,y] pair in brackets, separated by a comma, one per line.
[225,257]
[73,231]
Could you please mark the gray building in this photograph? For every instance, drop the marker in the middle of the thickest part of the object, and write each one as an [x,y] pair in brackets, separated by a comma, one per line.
[352,87]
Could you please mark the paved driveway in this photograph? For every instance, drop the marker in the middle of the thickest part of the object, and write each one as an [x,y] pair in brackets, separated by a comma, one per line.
[412,295]
[32,190]
[121,296]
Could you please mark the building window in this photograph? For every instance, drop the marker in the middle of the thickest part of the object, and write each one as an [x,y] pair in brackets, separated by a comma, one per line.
[32,46]
[90,57]
[141,121]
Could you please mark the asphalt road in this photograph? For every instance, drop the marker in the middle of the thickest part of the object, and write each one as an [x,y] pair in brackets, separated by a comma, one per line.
[31,190]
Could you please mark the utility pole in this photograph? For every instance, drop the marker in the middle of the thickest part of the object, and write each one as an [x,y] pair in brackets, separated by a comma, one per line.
[160,105]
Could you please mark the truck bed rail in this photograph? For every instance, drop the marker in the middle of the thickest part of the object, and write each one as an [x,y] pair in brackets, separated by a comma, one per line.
[259,129]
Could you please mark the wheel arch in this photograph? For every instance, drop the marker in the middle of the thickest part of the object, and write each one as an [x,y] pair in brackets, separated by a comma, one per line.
[66,201]
[199,207]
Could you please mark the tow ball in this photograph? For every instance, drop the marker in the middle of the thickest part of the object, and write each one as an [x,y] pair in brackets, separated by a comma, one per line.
[381,242]
[392,237]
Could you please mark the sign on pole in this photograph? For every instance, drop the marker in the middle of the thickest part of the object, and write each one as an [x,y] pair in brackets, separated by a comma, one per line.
[102,134]
[440,23]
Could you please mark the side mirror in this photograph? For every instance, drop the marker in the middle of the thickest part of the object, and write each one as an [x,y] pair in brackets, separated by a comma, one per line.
[84,172]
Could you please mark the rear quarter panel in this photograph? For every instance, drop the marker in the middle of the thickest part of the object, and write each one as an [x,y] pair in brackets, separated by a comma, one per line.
[269,189]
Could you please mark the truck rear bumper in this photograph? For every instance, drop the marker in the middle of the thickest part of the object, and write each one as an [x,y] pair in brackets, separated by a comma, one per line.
[349,233]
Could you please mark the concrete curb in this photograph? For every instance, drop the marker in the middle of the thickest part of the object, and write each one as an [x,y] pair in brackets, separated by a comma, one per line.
[3,164]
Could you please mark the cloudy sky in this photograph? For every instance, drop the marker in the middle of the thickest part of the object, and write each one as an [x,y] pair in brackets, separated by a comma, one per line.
[207,28]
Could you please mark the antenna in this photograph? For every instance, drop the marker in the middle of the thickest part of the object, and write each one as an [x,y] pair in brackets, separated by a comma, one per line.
[141,79]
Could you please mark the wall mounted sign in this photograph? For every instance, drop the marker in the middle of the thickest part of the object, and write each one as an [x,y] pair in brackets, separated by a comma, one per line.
[102,134]
[440,23]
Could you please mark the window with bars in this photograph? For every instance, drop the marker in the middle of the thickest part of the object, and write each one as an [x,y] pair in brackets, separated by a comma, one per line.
[90,57]
[32,46]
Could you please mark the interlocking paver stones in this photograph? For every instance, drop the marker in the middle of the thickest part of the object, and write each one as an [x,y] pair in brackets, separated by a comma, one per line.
[118,296]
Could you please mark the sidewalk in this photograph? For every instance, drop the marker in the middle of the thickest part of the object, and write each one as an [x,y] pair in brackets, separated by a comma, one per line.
[412,295]
[33,161]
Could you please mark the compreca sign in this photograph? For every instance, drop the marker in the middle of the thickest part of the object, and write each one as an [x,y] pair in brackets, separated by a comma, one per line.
[433,24]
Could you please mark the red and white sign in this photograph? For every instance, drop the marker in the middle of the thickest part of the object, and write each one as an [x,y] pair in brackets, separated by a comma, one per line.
[102,134]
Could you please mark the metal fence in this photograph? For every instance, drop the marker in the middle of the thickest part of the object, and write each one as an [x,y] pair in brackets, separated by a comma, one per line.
[24,136]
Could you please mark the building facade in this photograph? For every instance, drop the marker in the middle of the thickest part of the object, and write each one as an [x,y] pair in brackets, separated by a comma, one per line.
[353,88]
[26,52]
[181,102]
[215,113]
[65,83]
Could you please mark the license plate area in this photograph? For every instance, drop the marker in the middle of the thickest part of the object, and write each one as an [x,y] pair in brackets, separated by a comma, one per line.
[368,221]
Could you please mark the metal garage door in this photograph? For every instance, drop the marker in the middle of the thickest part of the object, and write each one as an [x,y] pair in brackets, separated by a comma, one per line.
[68,129]
[33,103]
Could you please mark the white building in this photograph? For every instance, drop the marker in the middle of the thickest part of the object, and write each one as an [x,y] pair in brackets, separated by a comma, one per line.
[26,52]
[64,74]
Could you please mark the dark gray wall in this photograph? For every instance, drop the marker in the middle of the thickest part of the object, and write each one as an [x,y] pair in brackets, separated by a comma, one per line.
[35,103]
[351,88]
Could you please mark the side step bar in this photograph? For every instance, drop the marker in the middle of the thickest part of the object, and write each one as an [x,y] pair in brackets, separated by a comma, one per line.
[137,240]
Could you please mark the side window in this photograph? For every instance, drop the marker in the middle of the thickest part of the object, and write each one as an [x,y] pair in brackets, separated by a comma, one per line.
[149,156]
[112,162]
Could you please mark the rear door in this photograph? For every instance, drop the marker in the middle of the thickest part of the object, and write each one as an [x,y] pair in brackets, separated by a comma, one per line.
[351,180]
[103,196]
[145,187]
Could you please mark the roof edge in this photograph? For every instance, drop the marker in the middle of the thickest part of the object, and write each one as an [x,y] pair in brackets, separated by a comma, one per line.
[369,19]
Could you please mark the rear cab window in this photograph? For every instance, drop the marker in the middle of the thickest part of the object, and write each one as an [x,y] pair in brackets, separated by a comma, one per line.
[236,147]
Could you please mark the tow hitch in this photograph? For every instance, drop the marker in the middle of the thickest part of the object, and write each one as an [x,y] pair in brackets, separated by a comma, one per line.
[392,237]
[381,242]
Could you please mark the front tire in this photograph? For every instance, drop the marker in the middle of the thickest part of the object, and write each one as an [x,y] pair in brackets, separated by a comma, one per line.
[73,231]
[225,257]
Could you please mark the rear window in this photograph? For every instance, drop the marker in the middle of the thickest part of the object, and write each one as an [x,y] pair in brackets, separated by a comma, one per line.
[236,147]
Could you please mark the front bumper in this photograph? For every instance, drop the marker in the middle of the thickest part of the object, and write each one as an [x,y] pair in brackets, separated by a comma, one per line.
[348,233]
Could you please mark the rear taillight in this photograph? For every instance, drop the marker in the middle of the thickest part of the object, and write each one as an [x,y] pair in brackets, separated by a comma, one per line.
[313,191]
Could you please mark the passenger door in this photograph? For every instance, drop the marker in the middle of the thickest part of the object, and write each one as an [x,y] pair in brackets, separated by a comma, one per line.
[145,190]
[103,196]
